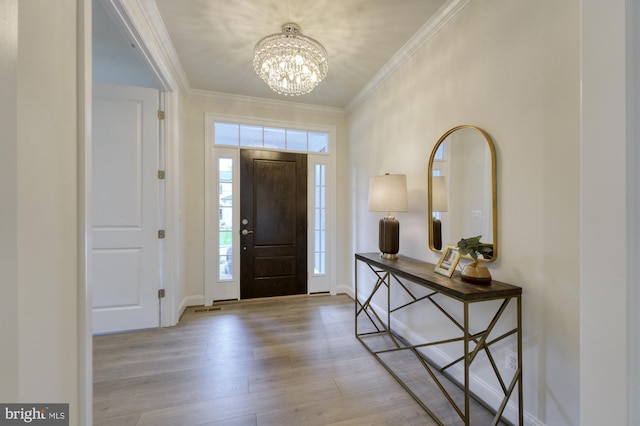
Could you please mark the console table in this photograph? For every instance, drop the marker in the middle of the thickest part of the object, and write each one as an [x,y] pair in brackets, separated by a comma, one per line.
[377,325]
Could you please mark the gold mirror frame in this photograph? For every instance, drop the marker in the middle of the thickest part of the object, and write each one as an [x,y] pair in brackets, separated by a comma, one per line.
[494,192]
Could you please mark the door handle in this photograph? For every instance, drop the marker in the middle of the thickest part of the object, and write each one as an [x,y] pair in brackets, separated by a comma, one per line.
[246,232]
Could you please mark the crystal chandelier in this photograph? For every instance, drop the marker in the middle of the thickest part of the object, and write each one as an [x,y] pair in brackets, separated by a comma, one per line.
[290,63]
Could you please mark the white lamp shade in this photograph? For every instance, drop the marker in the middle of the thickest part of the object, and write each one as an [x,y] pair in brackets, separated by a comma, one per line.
[439,194]
[388,193]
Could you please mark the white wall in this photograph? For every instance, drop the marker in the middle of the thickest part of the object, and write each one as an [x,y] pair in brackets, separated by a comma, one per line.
[609,219]
[40,359]
[8,207]
[194,163]
[633,220]
[511,68]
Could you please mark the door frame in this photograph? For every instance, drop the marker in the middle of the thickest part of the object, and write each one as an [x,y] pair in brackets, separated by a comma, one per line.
[129,16]
[214,289]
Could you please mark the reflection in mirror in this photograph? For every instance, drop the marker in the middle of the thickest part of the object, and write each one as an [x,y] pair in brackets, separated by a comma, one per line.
[462,189]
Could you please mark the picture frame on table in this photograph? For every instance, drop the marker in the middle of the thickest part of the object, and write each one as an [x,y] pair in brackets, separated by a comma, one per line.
[448,261]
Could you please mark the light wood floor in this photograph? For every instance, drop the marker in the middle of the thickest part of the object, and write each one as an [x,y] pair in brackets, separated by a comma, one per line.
[282,361]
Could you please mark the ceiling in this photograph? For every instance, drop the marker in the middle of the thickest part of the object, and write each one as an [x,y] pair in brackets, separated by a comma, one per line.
[213,40]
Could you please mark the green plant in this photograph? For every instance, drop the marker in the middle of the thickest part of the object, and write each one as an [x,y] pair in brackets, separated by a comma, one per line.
[473,247]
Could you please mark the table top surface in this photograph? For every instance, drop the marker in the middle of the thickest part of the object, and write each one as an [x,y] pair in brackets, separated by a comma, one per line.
[423,273]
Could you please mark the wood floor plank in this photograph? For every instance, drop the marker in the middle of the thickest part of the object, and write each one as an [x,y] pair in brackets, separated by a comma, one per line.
[358,381]
[130,401]
[328,368]
[397,417]
[238,405]
[126,420]
[145,368]
[248,420]
[312,412]
[108,389]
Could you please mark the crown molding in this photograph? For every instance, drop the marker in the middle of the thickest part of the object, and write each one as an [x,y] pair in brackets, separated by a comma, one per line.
[264,102]
[419,39]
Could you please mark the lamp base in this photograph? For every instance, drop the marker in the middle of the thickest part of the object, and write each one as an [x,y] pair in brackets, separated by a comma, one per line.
[389,256]
[389,237]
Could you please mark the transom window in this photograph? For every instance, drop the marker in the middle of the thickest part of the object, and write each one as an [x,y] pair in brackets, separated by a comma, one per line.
[252,136]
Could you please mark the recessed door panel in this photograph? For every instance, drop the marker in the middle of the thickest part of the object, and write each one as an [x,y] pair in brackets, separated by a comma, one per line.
[117,172]
[117,287]
[274,224]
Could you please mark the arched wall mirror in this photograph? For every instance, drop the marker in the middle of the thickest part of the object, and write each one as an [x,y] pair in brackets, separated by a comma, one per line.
[462,189]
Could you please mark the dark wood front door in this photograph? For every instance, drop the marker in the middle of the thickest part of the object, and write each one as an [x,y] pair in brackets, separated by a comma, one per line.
[273,224]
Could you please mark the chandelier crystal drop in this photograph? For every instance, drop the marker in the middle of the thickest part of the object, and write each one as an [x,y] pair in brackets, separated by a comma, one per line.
[290,63]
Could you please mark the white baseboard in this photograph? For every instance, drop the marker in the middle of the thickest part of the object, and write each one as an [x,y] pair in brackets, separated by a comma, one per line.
[190,301]
[493,397]
[346,289]
[199,300]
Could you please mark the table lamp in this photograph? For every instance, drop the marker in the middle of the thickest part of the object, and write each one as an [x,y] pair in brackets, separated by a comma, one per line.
[388,193]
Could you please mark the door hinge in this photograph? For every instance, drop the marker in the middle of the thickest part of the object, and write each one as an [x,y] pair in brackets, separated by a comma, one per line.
[161,174]
[160,115]
[161,293]
[161,234]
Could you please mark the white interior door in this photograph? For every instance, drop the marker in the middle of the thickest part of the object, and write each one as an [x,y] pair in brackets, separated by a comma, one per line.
[125,208]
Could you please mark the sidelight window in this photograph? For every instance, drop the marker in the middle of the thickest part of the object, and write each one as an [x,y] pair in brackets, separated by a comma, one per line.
[225,218]
[320,213]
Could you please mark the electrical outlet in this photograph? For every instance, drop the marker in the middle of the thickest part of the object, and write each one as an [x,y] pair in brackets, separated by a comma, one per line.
[510,360]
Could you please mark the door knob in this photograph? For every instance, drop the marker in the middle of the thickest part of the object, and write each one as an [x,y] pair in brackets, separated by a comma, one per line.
[246,232]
